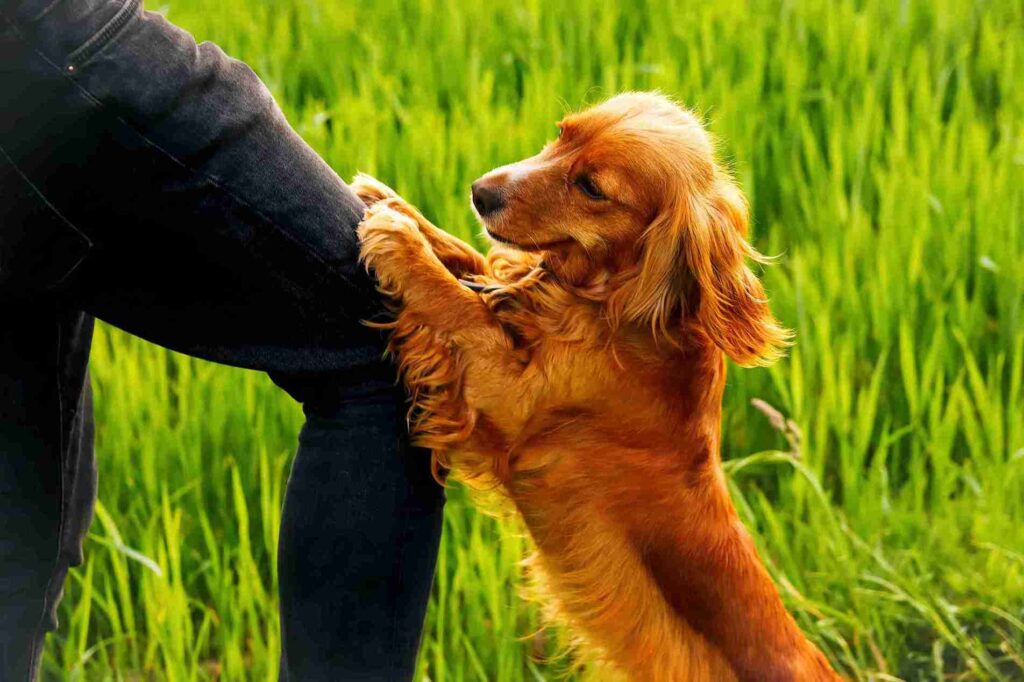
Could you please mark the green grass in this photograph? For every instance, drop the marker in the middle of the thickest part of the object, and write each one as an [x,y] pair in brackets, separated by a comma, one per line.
[882,146]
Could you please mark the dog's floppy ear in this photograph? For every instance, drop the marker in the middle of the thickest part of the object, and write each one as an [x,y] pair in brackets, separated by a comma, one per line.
[733,309]
[694,265]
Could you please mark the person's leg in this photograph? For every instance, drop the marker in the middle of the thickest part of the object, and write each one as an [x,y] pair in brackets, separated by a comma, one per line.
[217,232]
[215,229]
[358,542]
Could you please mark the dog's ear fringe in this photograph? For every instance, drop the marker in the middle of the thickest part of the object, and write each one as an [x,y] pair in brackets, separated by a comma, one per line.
[734,309]
[695,254]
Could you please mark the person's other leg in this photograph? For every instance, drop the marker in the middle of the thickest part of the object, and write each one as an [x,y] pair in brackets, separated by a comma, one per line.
[217,232]
[47,472]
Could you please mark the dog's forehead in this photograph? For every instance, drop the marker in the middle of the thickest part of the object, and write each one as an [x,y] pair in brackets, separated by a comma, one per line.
[640,106]
[635,115]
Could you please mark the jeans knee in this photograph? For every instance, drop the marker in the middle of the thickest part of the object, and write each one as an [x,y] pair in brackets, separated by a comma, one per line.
[360,413]
[332,394]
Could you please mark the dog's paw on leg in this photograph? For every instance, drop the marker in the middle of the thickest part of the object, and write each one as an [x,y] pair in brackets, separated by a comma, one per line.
[370,190]
[389,242]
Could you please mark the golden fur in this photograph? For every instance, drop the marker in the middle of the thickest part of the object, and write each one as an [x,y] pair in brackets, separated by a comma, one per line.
[585,383]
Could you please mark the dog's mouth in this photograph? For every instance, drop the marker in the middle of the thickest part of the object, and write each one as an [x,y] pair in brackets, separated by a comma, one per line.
[532,245]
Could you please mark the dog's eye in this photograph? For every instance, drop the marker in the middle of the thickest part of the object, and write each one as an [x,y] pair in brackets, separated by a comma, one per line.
[588,187]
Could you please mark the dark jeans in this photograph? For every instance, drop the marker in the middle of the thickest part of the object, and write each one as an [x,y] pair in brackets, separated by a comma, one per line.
[154,183]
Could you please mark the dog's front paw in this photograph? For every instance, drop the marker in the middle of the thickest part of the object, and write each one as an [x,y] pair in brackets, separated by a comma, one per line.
[389,243]
[370,190]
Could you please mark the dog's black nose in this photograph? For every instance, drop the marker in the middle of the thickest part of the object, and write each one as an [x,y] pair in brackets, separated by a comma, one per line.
[487,200]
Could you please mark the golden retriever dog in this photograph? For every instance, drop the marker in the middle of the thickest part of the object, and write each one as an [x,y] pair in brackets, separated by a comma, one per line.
[579,369]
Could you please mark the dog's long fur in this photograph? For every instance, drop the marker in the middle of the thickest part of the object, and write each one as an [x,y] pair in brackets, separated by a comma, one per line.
[586,380]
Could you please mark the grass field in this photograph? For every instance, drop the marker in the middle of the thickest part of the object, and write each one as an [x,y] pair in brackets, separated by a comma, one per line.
[882,146]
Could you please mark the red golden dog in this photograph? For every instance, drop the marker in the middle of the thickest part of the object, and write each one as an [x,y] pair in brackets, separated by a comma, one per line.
[579,369]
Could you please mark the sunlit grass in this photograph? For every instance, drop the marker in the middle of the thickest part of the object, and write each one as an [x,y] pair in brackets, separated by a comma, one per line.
[882,147]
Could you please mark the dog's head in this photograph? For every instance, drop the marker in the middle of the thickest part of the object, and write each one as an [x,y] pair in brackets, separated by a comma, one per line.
[630,192]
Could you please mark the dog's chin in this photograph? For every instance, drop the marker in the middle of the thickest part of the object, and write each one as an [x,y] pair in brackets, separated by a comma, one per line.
[496,236]
[523,244]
